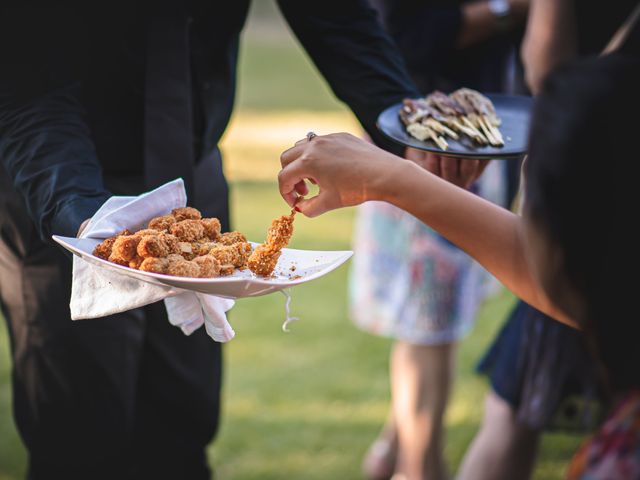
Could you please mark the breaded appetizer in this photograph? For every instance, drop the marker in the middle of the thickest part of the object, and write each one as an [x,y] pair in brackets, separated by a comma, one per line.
[265,257]
[209,266]
[124,249]
[103,250]
[154,265]
[182,244]
[163,223]
[230,238]
[211,228]
[188,230]
[159,245]
[186,213]
[183,268]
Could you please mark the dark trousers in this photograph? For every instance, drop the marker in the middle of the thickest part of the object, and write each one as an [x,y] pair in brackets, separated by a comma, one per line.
[126,396]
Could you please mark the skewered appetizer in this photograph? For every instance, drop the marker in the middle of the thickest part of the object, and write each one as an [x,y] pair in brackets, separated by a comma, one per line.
[464,112]
[264,258]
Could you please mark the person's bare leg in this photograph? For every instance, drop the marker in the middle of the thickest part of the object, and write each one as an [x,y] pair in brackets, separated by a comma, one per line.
[421,378]
[502,449]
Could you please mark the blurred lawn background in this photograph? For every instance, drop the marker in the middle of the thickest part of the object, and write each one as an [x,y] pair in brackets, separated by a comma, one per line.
[303,405]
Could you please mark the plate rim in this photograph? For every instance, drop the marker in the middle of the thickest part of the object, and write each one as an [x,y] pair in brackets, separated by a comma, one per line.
[343,255]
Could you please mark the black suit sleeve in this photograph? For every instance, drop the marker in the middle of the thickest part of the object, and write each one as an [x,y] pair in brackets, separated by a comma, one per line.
[45,143]
[350,48]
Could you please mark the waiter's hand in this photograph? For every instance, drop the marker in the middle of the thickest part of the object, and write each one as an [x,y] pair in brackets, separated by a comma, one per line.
[459,171]
[83,225]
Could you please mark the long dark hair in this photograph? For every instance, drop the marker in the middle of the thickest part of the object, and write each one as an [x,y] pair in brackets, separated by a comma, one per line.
[583,178]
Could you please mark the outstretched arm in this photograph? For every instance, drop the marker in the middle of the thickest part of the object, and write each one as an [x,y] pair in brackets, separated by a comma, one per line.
[365,69]
[350,171]
[358,59]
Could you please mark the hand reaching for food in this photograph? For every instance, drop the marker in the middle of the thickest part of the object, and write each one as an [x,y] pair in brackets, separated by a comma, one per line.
[347,169]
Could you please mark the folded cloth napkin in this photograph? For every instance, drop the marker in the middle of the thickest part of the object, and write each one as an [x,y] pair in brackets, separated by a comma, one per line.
[98,292]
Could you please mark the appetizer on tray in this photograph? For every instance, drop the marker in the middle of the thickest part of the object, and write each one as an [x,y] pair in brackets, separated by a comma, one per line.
[464,112]
[184,244]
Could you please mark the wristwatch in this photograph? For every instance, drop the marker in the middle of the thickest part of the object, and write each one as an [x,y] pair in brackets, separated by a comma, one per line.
[501,10]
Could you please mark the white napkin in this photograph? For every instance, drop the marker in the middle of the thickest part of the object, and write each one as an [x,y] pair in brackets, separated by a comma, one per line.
[97,292]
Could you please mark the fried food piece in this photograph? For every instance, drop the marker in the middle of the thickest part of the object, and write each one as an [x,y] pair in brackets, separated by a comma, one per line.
[188,230]
[154,265]
[136,262]
[244,250]
[209,266]
[226,270]
[162,223]
[264,258]
[147,231]
[280,231]
[186,213]
[183,268]
[186,249]
[202,248]
[236,254]
[124,249]
[103,250]
[225,254]
[159,245]
[230,238]
[211,228]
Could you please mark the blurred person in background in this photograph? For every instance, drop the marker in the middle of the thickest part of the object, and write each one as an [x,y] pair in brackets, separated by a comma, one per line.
[407,282]
[542,373]
[114,100]
[570,251]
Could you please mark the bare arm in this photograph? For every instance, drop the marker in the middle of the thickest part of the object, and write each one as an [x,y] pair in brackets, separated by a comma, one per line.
[550,39]
[350,171]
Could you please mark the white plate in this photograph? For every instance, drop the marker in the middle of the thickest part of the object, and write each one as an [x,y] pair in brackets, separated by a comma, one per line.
[307,265]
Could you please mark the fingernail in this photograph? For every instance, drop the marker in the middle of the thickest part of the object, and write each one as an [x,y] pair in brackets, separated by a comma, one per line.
[297,209]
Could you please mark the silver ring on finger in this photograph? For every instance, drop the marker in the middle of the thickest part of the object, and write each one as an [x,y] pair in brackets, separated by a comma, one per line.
[311,136]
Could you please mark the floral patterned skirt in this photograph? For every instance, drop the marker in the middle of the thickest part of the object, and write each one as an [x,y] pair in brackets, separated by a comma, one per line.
[409,283]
